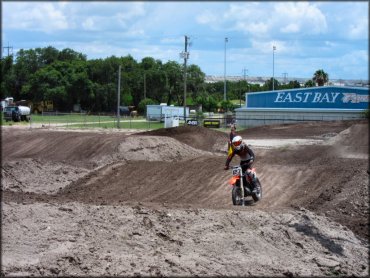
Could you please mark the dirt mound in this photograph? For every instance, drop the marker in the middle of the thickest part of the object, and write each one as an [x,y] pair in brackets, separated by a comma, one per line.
[352,142]
[157,204]
[196,136]
[299,130]
[74,239]
[155,148]
[38,176]
[78,148]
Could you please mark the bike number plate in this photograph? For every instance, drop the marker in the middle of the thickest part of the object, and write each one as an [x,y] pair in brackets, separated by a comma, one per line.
[236,172]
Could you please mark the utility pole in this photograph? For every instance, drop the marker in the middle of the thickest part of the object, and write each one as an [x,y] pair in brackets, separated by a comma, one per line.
[226,40]
[9,47]
[118,95]
[285,74]
[144,85]
[244,72]
[273,67]
[185,55]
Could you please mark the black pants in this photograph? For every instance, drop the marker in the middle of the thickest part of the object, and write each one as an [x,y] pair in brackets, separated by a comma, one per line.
[247,165]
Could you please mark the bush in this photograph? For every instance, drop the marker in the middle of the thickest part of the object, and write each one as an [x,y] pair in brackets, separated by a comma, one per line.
[367,113]
[142,105]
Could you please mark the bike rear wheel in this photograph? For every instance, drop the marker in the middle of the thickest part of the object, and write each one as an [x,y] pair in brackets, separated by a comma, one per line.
[257,196]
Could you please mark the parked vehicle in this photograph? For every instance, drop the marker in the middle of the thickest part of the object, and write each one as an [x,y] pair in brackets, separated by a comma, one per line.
[6,102]
[17,113]
[242,186]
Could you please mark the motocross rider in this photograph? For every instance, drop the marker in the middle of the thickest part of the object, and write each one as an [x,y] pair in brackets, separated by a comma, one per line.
[246,157]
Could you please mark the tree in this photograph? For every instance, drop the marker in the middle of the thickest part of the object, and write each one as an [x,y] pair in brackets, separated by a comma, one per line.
[207,102]
[309,83]
[195,80]
[268,84]
[7,83]
[227,105]
[173,88]
[68,54]
[47,55]
[142,105]
[320,77]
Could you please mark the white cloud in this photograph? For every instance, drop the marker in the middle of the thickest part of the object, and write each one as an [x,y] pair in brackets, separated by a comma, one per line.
[88,24]
[296,17]
[291,28]
[177,40]
[206,17]
[258,19]
[267,46]
[307,35]
[129,13]
[359,29]
[36,16]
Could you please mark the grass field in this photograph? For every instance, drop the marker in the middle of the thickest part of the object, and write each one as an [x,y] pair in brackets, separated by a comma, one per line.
[84,121]
[78,121]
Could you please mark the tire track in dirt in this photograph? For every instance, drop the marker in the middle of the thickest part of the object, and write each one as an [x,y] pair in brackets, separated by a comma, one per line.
[144,209]
[182,175]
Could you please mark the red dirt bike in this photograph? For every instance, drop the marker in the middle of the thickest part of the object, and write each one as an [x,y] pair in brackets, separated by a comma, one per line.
[242,186]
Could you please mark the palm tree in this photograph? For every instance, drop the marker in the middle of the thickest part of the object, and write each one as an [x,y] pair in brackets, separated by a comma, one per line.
[320,77]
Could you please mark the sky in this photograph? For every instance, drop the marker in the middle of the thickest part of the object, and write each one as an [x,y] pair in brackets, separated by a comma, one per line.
[306,36]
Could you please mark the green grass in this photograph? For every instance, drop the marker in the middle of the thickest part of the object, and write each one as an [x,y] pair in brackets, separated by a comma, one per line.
[237,102]
[81,121]
[78,121]
[123,125]
[70,118]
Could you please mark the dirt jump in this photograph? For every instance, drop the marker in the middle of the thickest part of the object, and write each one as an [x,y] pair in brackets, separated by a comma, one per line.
[158,203]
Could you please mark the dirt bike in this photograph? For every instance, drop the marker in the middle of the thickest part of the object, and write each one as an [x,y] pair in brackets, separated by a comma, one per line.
[242,186]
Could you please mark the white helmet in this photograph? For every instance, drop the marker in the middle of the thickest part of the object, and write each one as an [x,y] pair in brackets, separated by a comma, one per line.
[237,141]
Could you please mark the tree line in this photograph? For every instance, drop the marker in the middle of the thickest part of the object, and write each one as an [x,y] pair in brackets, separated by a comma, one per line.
[67,78]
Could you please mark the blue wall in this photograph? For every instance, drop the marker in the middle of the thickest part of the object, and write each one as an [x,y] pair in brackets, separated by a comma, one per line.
[316,97]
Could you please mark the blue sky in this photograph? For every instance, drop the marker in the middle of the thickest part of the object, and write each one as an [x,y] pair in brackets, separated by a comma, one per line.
[308,36]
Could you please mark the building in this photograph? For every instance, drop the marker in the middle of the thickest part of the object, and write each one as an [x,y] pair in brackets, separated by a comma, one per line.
[307,104]
[260,80]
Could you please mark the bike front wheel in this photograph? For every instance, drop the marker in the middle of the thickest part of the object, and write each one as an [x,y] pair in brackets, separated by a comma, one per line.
[236,195]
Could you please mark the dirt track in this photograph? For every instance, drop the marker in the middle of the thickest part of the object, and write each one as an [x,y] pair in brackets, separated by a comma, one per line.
[158,203]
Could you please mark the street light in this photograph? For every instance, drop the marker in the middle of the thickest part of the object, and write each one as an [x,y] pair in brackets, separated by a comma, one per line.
[226,40]
[185,55]
[273,67]
[118,96]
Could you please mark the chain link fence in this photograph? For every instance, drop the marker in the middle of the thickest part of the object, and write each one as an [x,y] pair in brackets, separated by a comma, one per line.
[101,120]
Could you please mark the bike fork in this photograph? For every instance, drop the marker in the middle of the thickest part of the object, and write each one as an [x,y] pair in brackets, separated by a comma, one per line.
[242,188]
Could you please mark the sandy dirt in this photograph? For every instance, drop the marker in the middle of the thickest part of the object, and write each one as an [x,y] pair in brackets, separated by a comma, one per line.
[158,203]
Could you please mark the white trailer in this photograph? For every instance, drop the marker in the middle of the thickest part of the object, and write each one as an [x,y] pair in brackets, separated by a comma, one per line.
[153,112]
[160,112]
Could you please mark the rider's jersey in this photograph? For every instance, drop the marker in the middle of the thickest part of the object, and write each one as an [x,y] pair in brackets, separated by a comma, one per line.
[244,152]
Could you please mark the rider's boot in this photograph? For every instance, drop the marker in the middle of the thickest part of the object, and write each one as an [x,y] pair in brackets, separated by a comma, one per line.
[254,185]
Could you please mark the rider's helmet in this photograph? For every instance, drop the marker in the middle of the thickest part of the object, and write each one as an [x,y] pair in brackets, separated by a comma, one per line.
[237,141]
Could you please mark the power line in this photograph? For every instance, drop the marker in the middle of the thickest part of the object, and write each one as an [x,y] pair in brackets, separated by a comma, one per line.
[8,47]
[244,71]
[285,74]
